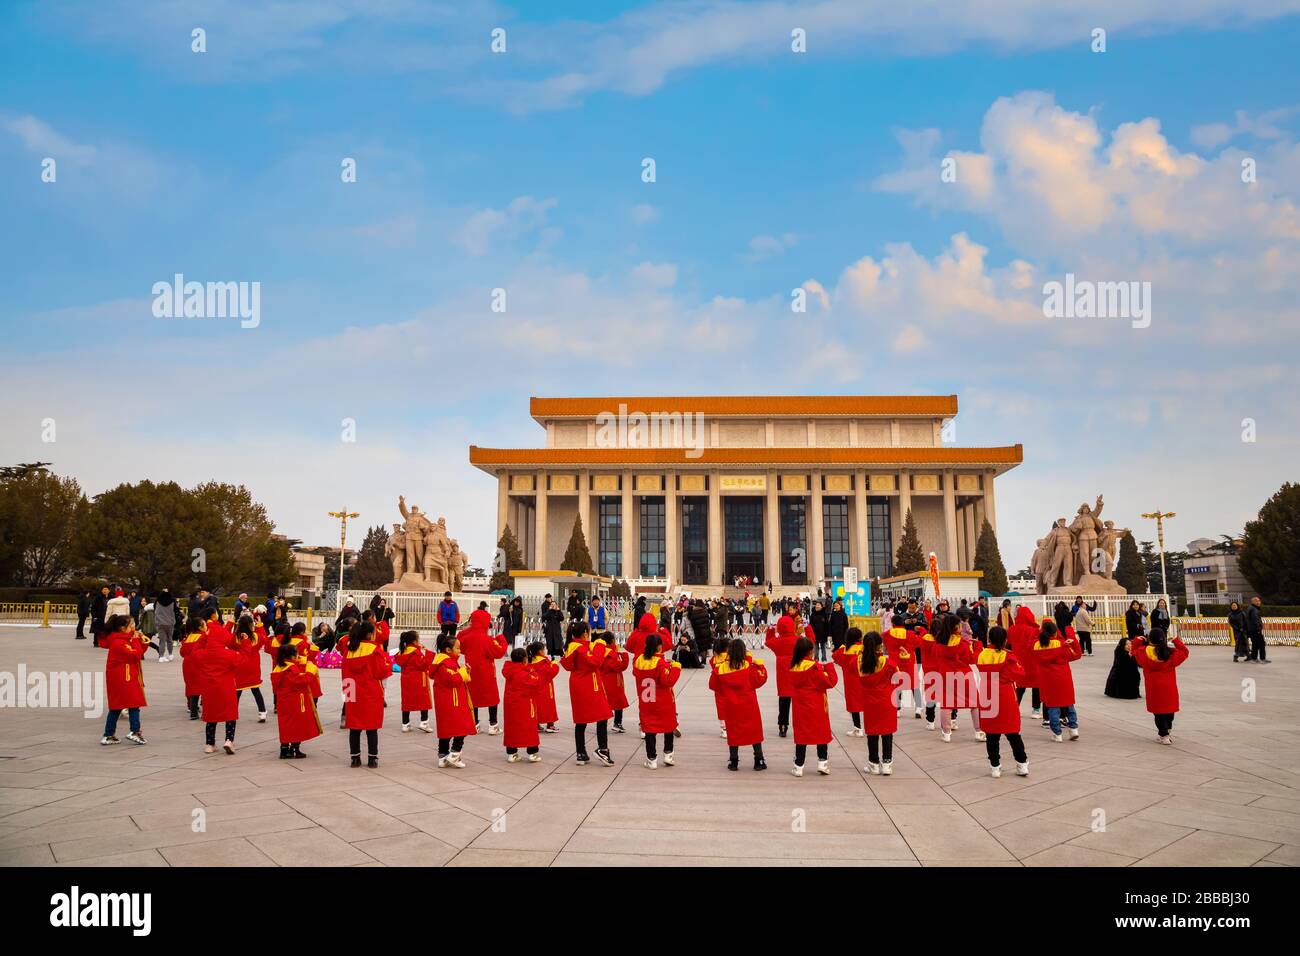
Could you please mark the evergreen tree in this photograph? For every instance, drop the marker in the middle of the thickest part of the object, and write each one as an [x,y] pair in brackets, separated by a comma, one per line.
[577,557]
[1130,573]
[373,569]
[989,560]
[508,559]
[909,559]
[1270,553]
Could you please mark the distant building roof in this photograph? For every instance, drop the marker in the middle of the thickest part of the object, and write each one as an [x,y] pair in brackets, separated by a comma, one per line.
[802,406]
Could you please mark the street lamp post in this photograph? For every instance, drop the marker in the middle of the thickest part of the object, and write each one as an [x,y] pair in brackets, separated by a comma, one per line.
[343,517]
[1160,517]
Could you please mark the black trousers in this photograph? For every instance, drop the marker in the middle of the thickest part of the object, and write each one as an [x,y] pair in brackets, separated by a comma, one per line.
[492,714]
[801,752]
[406,716]
[650,744]
[257,696]
[1240,644]
[1164,724]
[991,745]
[1085,641]
[210,732]
[1257,652]
[1034,699]
[857,719]
[602,737]
[448,744]
[735,753]
[880,746]
[372,742]
[515,750]
[81,625]
[193,700]
[783,711]
[618,718]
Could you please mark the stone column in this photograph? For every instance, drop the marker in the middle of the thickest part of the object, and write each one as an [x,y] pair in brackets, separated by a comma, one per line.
[972,534]
[772,556]
[904,505]
[672,530]
[715,530]
[860,523]
[989,511]
[584,510]
[816,561]
[539,547]
[949,521]
[631,561]
[503,502]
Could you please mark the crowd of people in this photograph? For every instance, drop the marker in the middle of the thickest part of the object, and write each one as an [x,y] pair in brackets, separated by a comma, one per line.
[935,661]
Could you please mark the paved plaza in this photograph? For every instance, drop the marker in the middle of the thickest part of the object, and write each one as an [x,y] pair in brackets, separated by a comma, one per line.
[1226,793]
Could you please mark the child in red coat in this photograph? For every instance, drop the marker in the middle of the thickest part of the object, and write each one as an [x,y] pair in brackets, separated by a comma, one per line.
[452,707]
[1159,661]
[248,672]
[735,681]
[417,694]
[217,660]
[123,677]
[1000,673]
[1052,654]
[1021,637]
[654,679]
[547,669]
[611,679]
[481,651]
[781,640]
[522,681]
[809,681]
[849,657]
[190,643]
[876,682]
[582,659]
[291,684]
[900,646]
[364,668]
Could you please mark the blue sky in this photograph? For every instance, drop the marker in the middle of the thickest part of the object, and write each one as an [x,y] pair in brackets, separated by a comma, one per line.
[775,170]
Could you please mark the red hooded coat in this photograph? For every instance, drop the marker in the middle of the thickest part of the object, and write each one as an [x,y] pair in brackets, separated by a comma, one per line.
[1055,682]
[295,709]
[481,652]
[414,660]
[1022,634]
[452,704]
[850,661]
[611,677]
[781,641]
[364,667]
[545,690]
[1162,681]
[879,710]
[123,675]
[1000,673]
[520,718]
[657,703]
[810,710]
[736,693]
[582,659]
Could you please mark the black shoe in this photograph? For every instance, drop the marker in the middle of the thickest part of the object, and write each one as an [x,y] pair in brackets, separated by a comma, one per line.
[81,638]
[356,761]
[618,729]
[676,733]
[284,751]
[782,730]
[760,764]
[194,716]
[733,764]
[582,760]
[1234,658]
[297,755]
[372,762]
[605,757]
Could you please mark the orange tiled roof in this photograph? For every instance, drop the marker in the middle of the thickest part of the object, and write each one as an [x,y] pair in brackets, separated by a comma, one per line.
[1009,455]
[799,405]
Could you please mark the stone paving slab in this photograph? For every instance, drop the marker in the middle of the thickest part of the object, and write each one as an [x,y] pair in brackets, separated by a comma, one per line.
[1226,793]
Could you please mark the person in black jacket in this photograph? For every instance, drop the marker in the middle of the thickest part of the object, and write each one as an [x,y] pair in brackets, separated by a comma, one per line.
[553,628]
[1160,618]
[1255,630]
[1240,642]
[837,625]
[575,606]
[701,627]
[1133,620]
[98,611]
[83,612]
[1125,678]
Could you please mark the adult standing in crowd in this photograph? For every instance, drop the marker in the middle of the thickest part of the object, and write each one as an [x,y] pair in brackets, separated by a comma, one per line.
[448,614]
[1005,615]
[819,621]
[514,622]
[1083,624]
[98,614]
[553,628]
[574,606]
[1133,620]
[135,601]
[596,618]
[1160,618]
[349,614]
[83,613]
[164,619]
[1237,622]
[837,625]
[119,604]
[1255,629]
[241,605]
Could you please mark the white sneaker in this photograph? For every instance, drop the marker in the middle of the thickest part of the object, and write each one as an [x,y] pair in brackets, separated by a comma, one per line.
[722,729]
[857,732]
[1022,770]
[981,736]
[494,730]
[796,771]
[444,762]
[109,741]
[929,725]
[945,736]
[1074,733]
[823,768]
[873,768]
[1167,741]
[406,728]
[652,764]
[954,723]
[668,760]
[1036,714]
[1056,737]
[886,768]
[136,737]
[453,760]
[424,725]
[920,712]
[261,716]
[208,749]
[995,772]
[534,758]
[512,758]
[228,746]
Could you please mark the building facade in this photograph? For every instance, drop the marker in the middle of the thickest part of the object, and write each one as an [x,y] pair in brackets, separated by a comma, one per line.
[697,492]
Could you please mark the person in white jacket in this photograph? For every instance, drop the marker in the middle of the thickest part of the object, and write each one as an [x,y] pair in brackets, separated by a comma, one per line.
[1083,624]
[118,604]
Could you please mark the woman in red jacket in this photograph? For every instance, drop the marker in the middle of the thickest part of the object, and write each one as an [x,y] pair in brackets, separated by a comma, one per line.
[1000,673]
[1020,639]
[582,659]
[123,677]
[735,681]
[481,651]
[1159,661]
[248,672]
[190,672]
[547,714]
[849,657]
[297,720]
[876,682]
[522,681]
[365,665]
[414,661]
[809,681]
[217,660]
[1053,653]
[453,707]
[781,640]
[611,679]
[654,679]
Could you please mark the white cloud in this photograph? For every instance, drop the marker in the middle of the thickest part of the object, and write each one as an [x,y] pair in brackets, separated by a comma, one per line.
[643,213]
[656,273]
[522,216]
[1263,126]
[765,246]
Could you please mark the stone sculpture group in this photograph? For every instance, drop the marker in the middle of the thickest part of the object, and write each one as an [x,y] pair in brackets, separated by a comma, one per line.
[1079,556]
[424,557]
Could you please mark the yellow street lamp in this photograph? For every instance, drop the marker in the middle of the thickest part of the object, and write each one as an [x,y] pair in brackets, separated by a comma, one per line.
[1160,517]
[343,516]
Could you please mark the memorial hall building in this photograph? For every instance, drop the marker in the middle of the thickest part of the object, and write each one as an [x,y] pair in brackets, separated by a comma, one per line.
[692,493]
